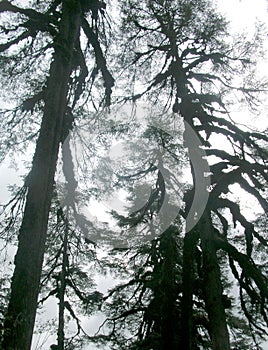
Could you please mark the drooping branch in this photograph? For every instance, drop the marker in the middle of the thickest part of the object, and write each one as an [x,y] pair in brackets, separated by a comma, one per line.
[81,62]
[37,22]
[245,285]
[33,14]
[24,35]
[247,265]
[100,59]
[234,208]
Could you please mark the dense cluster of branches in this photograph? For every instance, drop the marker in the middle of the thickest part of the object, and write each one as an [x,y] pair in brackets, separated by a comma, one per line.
[177,58]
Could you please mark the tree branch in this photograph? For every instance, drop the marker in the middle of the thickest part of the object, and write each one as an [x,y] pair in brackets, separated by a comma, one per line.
[247,265]
[24,35]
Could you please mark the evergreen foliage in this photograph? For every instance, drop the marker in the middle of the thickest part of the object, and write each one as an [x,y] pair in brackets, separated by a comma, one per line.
[183,285]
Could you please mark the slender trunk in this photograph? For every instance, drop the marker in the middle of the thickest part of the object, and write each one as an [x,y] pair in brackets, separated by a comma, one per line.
[189,247]
[62,289]
[20,317]
[169,321]
[213,290]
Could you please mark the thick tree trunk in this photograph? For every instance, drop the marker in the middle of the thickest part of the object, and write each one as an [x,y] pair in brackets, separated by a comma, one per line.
[20,317]
[213,289]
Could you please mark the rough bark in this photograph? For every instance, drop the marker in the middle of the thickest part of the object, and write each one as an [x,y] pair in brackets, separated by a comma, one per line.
[20,317]
[213,288]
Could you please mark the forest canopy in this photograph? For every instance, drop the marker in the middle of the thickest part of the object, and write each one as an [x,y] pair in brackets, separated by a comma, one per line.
[132,106]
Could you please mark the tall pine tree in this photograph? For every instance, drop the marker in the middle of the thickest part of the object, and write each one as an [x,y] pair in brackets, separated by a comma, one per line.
[54,32]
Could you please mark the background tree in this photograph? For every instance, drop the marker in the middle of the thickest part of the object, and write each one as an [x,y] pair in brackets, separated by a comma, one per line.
[198,65]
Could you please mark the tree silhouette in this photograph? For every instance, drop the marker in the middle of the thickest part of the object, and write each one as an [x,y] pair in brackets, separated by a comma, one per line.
[61,87]
[178,59]
[179,53]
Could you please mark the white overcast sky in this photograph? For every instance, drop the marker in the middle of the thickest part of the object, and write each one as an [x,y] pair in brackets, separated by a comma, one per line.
[242,13]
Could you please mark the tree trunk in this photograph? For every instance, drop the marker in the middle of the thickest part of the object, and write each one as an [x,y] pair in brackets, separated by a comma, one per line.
[213,289]
[62,288]
[168,315]
[20,317]
[197,194]
[187,290]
